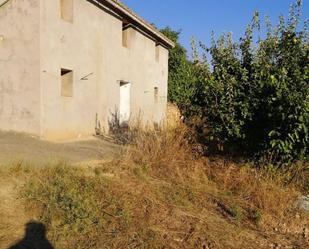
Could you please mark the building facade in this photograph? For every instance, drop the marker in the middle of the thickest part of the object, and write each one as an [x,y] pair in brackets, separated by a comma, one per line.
[68,67]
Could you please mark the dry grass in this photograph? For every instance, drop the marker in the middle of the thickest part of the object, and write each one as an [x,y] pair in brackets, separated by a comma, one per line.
[169,156]
[160,194]
[270,195]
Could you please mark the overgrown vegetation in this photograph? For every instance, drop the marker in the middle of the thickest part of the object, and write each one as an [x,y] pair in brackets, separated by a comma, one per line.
[160,194]
[253,97]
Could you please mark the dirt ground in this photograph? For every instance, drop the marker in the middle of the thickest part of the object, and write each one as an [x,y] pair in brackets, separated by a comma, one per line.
[17,147]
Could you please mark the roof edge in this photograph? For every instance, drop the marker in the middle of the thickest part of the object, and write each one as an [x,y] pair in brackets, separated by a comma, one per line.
[127,13]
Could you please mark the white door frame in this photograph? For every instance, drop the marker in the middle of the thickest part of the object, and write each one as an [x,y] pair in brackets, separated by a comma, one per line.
[124,102]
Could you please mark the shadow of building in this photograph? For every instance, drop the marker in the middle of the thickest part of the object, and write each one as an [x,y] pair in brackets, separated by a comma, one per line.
[35,238]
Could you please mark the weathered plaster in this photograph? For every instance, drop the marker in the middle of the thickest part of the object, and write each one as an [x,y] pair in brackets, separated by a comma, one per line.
[41,43]
[19,66]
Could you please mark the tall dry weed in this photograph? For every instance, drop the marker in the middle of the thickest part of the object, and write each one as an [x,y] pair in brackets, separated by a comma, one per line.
[169,155]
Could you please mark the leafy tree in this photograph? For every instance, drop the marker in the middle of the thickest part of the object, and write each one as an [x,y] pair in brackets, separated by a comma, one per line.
[184,75]
[256,97]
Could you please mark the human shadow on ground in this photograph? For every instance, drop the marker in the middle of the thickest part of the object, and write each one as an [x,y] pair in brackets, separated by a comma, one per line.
[35,237]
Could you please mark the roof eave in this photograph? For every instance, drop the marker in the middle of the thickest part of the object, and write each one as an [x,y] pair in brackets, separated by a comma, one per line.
[126,13]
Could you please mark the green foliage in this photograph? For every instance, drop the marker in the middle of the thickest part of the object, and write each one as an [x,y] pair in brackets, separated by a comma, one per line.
[235,212]
[256,216]
[181,73]
[256,98]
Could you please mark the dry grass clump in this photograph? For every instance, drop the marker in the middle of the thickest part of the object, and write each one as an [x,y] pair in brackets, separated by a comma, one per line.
[268,194]
[173,116]
[166,152]
[169,156]
[159,194]
[299,176]
[83,211]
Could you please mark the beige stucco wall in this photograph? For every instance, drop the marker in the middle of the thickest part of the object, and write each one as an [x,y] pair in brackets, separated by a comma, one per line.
[19,66]
[90,45]
[140,67]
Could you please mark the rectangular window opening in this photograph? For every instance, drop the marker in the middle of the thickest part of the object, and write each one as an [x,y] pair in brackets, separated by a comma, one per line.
[66,82]
[66,10]
[156,95]
[157,52]
[125,34]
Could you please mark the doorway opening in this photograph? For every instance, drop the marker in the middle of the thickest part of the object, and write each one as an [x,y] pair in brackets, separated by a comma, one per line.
[125,103]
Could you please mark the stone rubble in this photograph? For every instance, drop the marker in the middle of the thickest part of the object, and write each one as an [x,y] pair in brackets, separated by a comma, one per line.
[303,203]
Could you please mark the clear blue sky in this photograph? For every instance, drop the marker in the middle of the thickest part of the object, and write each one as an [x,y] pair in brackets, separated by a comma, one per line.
[199,18]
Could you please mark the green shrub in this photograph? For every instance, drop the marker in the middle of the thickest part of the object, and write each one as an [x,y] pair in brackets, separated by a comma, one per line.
[256,216]
[182,75]
[255,98]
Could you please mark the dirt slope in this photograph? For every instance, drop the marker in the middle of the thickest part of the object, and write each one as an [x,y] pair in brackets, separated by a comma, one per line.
[16,147]
[157,195]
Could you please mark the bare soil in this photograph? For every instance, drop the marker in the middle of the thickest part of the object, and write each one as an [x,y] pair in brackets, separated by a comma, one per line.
[18,147]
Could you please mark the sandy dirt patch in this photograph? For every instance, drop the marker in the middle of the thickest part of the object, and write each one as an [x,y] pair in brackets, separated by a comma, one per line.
[17,147]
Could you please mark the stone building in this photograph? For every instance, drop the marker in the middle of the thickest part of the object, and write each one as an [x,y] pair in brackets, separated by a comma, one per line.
[70,66]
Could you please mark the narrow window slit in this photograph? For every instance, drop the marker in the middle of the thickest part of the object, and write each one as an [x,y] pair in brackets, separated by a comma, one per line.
[66,82]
